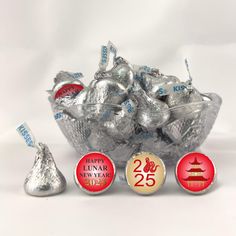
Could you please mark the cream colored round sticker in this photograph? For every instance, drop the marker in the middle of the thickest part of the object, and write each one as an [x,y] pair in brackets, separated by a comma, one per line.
[145,173]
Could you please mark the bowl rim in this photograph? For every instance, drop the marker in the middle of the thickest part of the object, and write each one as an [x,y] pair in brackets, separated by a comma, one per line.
[207,101]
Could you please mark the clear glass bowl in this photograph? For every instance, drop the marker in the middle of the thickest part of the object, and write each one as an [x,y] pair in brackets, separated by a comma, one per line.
[186,130]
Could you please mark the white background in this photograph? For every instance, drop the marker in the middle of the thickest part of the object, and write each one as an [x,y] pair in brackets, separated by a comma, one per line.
[40,38]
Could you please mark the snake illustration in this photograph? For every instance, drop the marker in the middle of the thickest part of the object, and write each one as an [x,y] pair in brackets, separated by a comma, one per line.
[150,166]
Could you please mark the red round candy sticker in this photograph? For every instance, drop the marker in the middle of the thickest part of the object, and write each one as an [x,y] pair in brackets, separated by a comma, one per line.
[95,172]
[68,90]
[195,172]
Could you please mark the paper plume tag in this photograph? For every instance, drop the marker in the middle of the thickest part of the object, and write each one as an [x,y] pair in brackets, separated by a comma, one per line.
[105,55]
[26,134]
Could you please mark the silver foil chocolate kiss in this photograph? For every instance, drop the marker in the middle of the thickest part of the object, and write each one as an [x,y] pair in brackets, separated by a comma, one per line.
[45,178]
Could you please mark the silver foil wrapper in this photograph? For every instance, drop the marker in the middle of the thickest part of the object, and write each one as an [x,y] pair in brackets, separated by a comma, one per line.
[152,84]
[122,72]
[184,101]
[63,76]
[45,178]
[121,125]
[98,140]
[160,144]
[81,97]
[66,101]
[106,91]
[123,151]
[178,129]
[152,113]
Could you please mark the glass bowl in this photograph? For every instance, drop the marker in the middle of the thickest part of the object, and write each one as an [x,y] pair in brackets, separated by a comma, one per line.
[83,126]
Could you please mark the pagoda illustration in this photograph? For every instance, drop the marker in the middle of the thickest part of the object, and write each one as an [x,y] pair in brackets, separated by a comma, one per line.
[195,174]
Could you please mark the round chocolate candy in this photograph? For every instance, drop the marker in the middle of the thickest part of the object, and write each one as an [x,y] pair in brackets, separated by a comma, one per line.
[95,173]
[145,173]
[195,173]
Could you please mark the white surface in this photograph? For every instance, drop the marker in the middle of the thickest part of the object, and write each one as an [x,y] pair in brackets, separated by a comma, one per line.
[39,38]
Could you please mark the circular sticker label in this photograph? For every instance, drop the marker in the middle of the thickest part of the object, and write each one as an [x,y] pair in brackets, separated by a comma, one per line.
[145,173]
[195,172]
[68,90]
[95,172]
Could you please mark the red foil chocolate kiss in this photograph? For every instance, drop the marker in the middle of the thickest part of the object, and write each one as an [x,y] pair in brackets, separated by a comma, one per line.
[68,90]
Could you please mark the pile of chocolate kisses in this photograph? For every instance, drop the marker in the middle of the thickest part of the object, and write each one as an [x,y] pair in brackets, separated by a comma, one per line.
[131,108]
